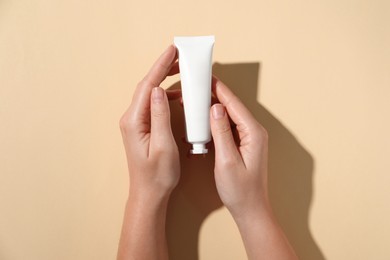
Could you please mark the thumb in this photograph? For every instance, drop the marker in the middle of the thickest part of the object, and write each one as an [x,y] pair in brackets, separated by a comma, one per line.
[160,121]
[225,147]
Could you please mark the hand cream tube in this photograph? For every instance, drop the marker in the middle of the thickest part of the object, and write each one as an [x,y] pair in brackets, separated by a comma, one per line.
[195,58]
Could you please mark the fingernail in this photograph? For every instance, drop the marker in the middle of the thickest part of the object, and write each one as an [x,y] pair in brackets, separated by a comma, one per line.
[158,95]
[218,111]
[167,49]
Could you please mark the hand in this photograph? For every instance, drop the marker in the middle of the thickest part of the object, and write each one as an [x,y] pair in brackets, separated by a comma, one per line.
[241,176]
[152,154]
[153,162]
[241,164]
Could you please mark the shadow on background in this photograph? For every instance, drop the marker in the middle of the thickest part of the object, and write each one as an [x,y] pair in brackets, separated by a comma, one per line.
[194,198]
[290,175]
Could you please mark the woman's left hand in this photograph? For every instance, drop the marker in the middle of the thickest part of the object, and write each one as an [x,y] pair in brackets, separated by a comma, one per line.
[152,153]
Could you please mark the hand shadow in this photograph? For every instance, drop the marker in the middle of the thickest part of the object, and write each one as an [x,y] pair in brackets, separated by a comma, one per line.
[290,175]
[194,198]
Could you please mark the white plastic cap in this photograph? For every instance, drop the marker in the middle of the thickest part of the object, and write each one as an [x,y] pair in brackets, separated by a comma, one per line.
[198,149]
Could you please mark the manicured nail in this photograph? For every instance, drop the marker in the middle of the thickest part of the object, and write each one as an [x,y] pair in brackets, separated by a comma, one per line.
[158,94]
[218,111]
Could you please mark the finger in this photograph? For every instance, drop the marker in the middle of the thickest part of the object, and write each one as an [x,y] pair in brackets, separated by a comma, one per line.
[140,106]
[174,69]
[237,111]
[225,147]
[161,131]
[161,67]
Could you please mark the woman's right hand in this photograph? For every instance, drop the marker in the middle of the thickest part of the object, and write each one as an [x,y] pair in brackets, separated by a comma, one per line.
[241,158]
[240,153]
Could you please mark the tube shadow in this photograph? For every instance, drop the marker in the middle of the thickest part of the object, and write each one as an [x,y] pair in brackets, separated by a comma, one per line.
[290,178]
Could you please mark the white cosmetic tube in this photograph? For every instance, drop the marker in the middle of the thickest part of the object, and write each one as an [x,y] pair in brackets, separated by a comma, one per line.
[195,63]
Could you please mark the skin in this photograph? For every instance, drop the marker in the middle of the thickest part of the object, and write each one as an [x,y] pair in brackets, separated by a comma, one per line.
[154,169]
[241,176]
[153,164]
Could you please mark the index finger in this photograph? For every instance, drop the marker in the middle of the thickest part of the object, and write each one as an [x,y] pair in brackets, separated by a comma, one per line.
[140,106]
[161,67]
[237,111]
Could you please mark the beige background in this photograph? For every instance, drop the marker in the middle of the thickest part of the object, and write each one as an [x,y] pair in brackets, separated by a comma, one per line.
[320,71]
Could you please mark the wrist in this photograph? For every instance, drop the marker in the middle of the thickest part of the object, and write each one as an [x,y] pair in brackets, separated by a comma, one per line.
[262,235]
[252,213]
[148,198]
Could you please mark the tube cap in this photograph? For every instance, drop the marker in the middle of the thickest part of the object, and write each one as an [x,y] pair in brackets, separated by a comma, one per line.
[198,149]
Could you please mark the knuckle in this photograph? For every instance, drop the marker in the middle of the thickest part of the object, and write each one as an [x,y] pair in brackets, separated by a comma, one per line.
[261,132]
[165,149]
[233,101]
[227,163]
[125,123]
[140,83]
[162,67]
[158,151]
[264,133]
[160,113]
[224,129]
[149,81]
